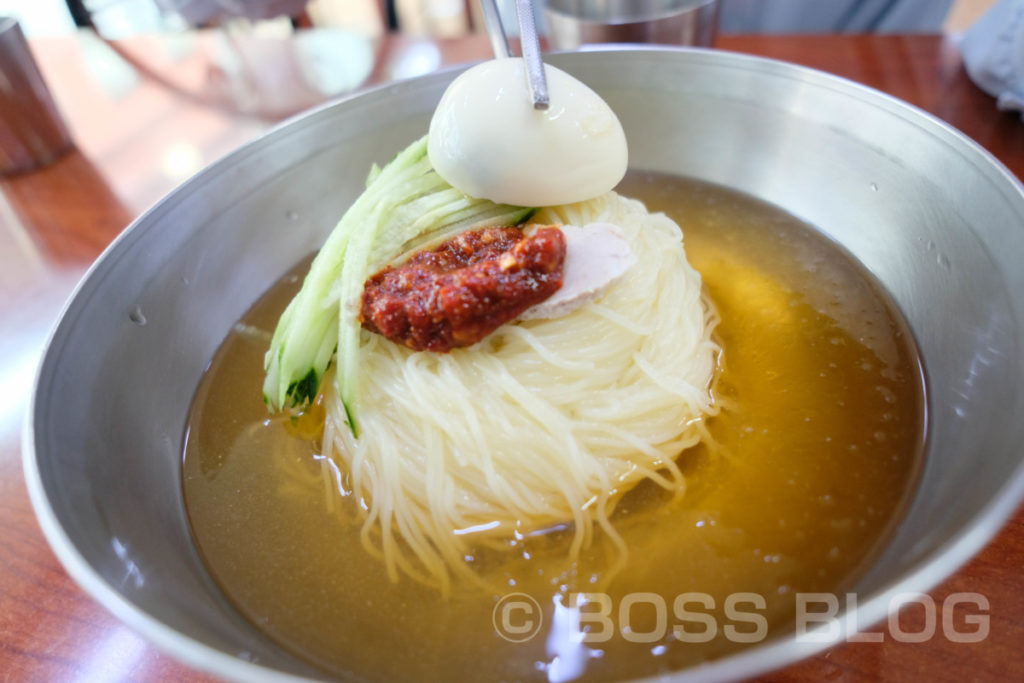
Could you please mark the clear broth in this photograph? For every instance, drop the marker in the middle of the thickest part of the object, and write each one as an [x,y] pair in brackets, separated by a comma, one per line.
[818,447]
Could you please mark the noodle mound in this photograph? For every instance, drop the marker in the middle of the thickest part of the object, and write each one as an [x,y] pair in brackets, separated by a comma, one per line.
[544,422]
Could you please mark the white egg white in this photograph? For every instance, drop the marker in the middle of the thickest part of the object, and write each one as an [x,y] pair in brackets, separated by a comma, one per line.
[488,141]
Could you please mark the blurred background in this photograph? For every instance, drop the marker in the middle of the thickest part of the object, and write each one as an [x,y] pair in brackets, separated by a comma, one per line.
[128,74]
[449,18]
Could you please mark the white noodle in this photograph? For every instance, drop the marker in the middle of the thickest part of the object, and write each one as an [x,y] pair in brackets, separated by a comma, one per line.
[545,422]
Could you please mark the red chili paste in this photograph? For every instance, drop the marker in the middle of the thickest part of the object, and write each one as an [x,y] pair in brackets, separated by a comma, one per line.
[457,294]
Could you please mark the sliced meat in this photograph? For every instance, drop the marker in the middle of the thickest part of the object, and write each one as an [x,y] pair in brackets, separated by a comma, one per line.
[596,256]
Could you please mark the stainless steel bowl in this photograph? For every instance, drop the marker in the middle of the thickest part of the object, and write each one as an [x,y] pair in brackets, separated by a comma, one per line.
[932,215]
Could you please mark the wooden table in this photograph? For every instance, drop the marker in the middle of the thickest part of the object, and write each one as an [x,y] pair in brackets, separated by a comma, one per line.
[138,138]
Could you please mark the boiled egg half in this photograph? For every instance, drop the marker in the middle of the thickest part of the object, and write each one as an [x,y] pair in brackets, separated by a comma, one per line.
[488,141]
